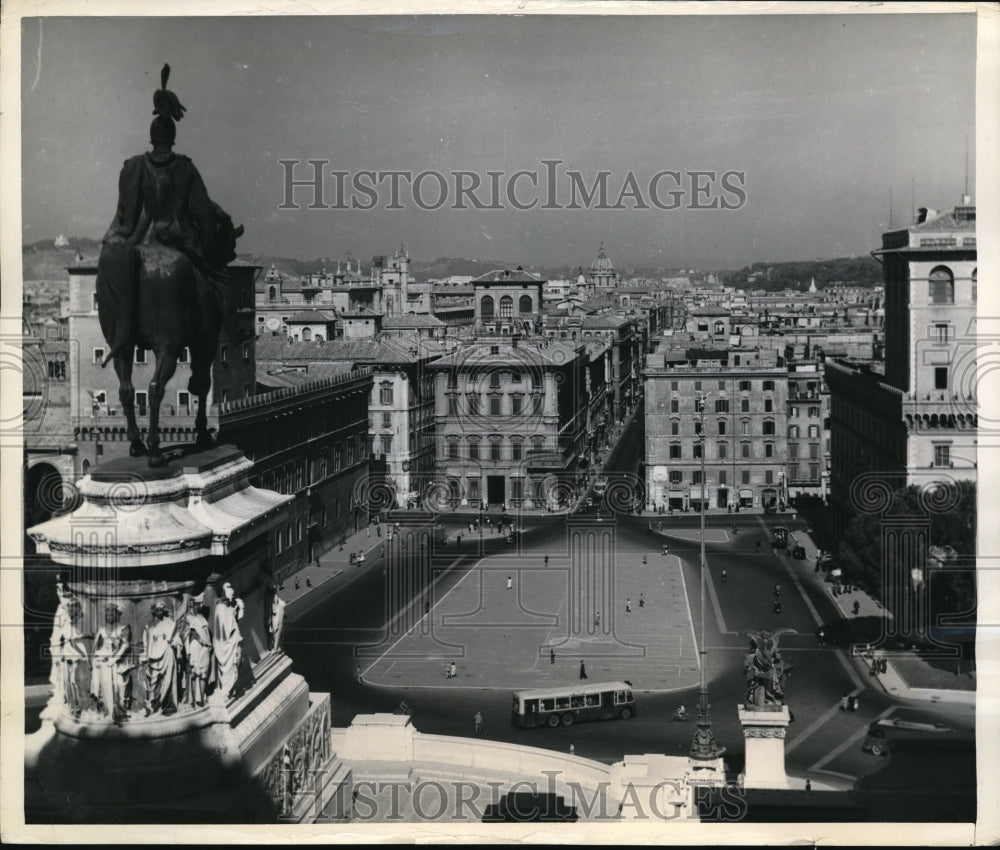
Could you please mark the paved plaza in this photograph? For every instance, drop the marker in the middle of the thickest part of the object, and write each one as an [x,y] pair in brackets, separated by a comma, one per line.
[536,632]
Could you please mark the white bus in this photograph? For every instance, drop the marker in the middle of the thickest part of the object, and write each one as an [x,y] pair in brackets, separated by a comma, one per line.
[552,706]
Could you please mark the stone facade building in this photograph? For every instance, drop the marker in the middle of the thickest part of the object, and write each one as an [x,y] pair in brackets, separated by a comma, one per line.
[741,396]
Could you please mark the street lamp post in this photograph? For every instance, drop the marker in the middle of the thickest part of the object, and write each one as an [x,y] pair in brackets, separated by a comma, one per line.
[703,746]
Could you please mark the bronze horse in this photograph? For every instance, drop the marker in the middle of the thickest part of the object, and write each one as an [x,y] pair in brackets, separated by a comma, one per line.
[176,303]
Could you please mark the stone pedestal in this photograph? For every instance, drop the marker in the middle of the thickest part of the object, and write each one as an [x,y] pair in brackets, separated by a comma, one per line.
[764,732]
[173,702]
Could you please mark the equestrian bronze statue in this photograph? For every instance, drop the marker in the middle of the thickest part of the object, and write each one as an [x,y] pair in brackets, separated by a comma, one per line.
[161,275]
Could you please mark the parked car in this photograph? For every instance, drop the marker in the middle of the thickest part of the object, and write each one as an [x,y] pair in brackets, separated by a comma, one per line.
[799,553]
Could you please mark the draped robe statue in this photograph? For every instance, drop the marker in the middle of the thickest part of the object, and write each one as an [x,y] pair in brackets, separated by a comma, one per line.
[111,673]
[226,642]
[160,663]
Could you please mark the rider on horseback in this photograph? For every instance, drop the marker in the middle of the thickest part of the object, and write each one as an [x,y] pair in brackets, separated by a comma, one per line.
[164,215]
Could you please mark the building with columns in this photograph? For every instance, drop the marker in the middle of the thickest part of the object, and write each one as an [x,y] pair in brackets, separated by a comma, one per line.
[918,417]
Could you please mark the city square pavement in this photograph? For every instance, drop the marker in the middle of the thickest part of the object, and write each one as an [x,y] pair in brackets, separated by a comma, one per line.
[533,634]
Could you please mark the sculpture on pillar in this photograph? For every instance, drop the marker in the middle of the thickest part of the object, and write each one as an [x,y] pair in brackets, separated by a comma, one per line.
[159,661]
[227,640]
[60,623]
[111,674]
[765,670]
[71,657]
[161,274]
[198,647]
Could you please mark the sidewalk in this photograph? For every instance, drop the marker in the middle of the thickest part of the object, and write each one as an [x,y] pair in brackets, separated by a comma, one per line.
[892,680]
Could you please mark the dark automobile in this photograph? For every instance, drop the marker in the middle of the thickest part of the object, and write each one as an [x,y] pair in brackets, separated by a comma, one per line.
[799,553]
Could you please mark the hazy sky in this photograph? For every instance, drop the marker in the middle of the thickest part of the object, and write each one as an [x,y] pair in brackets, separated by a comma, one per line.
[822,114]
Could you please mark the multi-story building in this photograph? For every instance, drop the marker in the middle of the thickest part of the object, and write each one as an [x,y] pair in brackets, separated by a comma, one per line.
[920,414]
[508,301]
[740,396]
[310,441]
[511,418]
[808,429]
[400,434]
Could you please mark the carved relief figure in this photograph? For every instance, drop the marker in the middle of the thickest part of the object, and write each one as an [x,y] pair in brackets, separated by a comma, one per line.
[277,621]
[226,640]
[160,662]
[111,676]
[73,658]
[60,622]
[198,645]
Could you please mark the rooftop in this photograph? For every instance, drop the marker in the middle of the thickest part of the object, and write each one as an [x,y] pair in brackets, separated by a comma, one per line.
[518,275]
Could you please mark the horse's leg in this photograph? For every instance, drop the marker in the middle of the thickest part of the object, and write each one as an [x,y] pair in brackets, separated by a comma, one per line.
[200,383]
[166,365]
[126,394]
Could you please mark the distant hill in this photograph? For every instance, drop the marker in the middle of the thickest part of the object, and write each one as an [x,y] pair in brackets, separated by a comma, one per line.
[44,261]
[859,271]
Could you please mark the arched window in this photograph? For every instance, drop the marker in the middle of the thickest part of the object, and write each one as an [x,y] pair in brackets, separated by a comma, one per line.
[942,286]
[307,334]
[272,293]
[506,307]
[524,305]
[486,307]
[86,466]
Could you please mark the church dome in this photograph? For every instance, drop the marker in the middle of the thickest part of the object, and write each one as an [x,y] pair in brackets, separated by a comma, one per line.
[601,262]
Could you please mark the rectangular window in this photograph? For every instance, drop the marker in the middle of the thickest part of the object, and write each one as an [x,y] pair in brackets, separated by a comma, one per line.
[93,302]
[474,449]
[814,431]
[494,379]
[696,477]
[793,451]
[769,386]
[495,450]
[141,401]
[386,419]
[386,443]
[473,401]
[516,450]
[942,454]
[474,488]
[515,405]
[184,402]
[722,426]
[452,406]
[745,450]
[769,477]
[940,377]
[769,426]
[723,477]
[745,476]
[673,386]
[942,291]
[536,404]
[768,405]
[675,451]
[385,395]
[768,449]
[515,377]
[676,476]
[722,451]
[675,428]
[185,355]
[674,406]
[722,405]
[744,386]
[98,355]
[517,488]
[744,405]
[814,472]
[697,386]
[494,405]
[140,355]
[941,333]
[722,385]
[697,451]
[814,451]
[453,448]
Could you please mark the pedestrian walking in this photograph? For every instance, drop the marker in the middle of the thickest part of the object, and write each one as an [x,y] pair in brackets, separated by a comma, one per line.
[724,574]
[451,670]
[777,606]
[308,582]
[510,583]
[478,723]
[809,785]
[298,584]
[642,601]
[821,637]
[552,656]
[857,607]
[447,670]
[583,670]
[546,560]
[645,560]
[378,530]
[628,606]
[572,749]
[357,673]
[777,590]
[844,701]
[369,530]
[597,618]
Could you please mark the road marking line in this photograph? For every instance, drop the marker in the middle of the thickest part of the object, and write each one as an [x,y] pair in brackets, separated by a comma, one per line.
[822,719]
[715,605]
[422,616]
[857,736]
[694,640]
[795,580]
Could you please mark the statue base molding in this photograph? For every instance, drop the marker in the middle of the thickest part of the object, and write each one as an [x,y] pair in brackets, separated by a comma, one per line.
[764,734]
